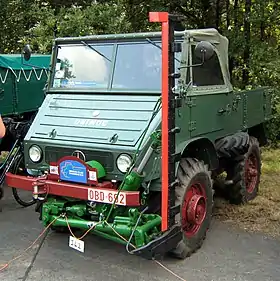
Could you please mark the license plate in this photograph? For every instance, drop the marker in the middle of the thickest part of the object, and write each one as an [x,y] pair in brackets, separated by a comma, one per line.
[76,244]
[106,196]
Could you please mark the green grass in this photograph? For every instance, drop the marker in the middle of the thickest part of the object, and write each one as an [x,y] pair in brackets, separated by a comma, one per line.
[263,213]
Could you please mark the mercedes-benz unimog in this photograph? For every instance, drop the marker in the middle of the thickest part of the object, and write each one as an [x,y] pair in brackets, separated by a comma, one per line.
[132,133]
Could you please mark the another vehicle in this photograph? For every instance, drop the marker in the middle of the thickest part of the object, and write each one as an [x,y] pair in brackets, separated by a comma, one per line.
[133,131]
[21,95]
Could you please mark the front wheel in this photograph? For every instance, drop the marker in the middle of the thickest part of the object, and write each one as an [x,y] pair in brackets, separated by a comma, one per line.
[195,195]
[26,199]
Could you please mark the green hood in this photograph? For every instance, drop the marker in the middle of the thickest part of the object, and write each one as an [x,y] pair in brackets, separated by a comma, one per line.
[88,120]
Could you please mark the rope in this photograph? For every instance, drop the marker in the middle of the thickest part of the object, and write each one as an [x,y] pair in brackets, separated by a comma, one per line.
[31,245]
[5,266]
[128,242]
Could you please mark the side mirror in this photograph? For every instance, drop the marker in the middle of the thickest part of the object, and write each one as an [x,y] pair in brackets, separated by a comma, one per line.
[27,52]
[204,50]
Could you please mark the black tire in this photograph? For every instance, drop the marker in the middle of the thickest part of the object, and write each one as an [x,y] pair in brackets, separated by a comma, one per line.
[193,175]
[233,145]
[18,168]
[245,173]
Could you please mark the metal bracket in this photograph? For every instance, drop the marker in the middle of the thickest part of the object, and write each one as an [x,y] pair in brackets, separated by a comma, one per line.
[176,157]
[175,210]
[192,126]
[190,101]
[176,103]
[176,47]
[175,130]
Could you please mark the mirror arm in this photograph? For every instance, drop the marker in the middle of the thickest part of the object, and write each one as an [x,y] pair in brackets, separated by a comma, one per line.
[193,65]
[198,64]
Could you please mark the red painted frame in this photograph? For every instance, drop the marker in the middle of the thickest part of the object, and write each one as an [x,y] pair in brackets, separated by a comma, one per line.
[66,189]
[163,18]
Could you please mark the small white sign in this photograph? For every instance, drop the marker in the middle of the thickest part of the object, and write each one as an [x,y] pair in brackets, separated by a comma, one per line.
[76,244]
[92,175]
[54,170]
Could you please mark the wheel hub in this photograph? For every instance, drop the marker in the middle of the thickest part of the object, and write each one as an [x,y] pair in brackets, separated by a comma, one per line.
[196,209]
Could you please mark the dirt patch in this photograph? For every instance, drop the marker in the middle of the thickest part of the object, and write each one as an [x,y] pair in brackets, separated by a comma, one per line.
[263,213]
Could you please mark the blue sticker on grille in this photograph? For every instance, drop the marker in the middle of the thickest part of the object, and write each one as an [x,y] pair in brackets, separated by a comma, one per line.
[71,170]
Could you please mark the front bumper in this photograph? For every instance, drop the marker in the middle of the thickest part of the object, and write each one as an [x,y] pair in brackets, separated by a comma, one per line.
[43,185]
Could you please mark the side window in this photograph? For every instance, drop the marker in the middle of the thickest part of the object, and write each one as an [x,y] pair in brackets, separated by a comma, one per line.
[209,74]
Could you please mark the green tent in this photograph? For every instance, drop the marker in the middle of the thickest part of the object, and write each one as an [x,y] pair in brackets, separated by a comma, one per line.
[22,83]
[15,61]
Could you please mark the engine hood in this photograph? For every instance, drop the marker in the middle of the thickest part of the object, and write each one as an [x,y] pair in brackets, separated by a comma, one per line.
[87,120]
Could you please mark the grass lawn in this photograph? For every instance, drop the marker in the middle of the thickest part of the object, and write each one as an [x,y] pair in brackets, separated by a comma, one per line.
[263,213]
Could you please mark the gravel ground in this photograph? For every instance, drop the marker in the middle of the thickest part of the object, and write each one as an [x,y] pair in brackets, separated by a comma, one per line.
[227,254]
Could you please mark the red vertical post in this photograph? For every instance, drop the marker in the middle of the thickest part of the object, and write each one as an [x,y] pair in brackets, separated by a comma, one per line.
[164,19]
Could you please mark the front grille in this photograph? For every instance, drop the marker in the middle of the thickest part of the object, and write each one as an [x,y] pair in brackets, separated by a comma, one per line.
[106,159]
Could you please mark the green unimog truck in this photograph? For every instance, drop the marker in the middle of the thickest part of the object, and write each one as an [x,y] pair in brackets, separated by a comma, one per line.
[132,133]
[21,94]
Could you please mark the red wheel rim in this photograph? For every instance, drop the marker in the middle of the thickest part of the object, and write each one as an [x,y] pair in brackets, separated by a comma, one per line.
[251,172]
[193,209]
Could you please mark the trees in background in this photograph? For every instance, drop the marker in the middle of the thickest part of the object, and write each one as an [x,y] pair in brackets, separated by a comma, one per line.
[251,26]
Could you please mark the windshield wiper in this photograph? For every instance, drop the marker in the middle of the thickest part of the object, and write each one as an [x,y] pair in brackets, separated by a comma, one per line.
[156,45]
[86,44]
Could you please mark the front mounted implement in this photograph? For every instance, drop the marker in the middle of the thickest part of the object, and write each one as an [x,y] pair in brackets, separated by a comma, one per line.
[118,212]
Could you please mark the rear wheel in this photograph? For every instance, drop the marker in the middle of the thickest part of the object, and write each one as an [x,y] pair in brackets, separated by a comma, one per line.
[24,198]
[195,195]
[245,173]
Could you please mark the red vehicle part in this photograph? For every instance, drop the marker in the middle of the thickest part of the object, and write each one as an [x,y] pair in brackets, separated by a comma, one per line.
[83,192]
[169,103]
[164,19]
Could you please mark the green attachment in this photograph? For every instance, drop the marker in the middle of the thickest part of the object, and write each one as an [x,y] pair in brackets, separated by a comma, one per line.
[100,169]
[141,234]
[133,181]
[142,229]
[78,210]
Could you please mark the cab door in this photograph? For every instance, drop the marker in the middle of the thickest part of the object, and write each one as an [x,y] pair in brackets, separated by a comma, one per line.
[210,98]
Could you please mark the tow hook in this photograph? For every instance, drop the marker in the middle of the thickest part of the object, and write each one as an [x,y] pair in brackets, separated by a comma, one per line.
[36,192]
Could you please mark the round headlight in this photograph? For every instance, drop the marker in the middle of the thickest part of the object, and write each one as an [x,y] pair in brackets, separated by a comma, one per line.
[123,162]
[35,153]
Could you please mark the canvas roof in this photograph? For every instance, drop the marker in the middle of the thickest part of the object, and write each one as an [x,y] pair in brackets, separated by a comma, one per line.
[213,36]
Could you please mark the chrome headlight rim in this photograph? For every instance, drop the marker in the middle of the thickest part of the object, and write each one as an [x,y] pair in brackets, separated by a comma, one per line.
[123,156]
[40,153]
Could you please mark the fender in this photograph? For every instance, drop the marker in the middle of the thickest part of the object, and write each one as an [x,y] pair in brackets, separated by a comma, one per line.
[201,148]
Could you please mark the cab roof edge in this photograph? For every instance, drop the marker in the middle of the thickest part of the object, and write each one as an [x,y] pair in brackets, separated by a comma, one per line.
[115,36]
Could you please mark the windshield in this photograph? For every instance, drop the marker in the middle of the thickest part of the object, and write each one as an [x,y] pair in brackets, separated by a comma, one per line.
[129,66]
[81,66]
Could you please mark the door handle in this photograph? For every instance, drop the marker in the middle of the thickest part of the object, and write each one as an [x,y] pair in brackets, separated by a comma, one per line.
[224,110]
[221,111]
